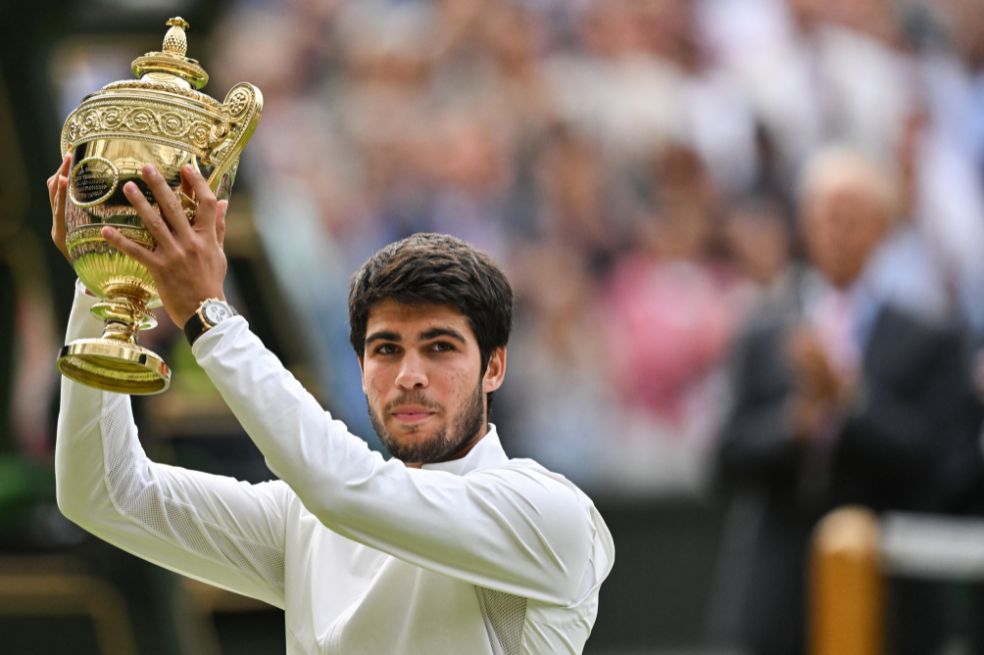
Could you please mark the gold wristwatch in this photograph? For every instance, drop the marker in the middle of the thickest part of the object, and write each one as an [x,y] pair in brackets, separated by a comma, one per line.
[210,313]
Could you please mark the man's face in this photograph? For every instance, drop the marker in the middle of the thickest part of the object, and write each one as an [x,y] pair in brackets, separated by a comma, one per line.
[421,373]
[842,226]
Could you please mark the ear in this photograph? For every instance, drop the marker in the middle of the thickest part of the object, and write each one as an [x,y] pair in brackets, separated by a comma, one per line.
[495,372]
[362,371]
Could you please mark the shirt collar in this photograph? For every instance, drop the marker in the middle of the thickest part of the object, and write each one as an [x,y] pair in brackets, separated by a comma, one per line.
[484,454]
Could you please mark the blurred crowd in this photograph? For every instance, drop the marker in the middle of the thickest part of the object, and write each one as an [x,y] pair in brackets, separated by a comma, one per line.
[746,239]
[746,236]
[637,167]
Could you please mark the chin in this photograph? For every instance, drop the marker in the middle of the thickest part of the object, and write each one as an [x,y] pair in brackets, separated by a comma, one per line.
[413,432]
[412,437]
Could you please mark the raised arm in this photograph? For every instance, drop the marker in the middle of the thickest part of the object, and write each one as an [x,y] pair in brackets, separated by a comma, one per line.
[516,528]
[210,527]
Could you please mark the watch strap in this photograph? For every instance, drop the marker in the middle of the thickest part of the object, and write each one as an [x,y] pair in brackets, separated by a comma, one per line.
[194,327]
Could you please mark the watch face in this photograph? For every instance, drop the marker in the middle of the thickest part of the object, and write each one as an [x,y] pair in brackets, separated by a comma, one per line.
[216,312]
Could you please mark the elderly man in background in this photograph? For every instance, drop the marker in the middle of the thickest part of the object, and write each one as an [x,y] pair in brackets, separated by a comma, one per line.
[852,388]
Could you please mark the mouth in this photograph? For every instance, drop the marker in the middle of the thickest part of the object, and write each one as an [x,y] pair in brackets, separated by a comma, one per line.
[411,414]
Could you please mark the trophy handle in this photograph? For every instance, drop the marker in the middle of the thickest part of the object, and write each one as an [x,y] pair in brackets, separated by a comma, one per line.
[243,105]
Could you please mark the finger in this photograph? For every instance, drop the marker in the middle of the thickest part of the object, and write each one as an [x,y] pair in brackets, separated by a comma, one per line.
[56,184]
[129,247]
[186,195]
[59,229]
[58,207]
[205,218]
[51,189]
[61,173]
[186,187]
[151,217]
[220,222]
[171,211]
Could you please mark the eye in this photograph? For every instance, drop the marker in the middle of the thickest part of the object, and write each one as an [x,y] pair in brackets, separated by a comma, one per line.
[442,347]
[386,349]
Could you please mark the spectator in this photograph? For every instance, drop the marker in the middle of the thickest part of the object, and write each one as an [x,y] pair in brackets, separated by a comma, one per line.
[841,394]
[671,304]
[528,127]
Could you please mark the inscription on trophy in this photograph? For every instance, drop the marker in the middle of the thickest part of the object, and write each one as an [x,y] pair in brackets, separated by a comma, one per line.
[93,180]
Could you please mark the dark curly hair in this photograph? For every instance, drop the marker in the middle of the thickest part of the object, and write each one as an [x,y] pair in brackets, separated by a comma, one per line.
[438,269]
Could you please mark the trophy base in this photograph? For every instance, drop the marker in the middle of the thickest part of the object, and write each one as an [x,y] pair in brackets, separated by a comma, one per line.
[116,366]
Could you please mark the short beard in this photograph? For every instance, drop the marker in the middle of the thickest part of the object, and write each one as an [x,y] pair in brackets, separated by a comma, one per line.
[440,447]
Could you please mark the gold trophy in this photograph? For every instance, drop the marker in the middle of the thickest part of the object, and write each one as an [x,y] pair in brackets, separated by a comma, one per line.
[161,119]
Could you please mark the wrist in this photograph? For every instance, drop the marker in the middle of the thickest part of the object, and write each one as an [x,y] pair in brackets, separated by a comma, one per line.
[209,313]
[187,311]
[190,313]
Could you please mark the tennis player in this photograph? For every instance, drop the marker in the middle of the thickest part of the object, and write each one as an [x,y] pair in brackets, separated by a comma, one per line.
[449,546]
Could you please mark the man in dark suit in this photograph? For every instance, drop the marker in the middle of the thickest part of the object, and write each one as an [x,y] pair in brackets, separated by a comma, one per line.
[851,388]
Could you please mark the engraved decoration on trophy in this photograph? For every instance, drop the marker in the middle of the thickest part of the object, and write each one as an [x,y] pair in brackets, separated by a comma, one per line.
[162,119]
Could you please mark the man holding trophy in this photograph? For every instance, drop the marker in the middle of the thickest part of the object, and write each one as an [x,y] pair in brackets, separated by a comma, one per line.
[450,546]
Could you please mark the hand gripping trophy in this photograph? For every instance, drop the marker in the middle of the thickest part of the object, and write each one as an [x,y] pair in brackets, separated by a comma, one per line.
[161,119]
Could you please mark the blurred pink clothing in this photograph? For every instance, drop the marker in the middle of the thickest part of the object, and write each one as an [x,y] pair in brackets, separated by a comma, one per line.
[669,325]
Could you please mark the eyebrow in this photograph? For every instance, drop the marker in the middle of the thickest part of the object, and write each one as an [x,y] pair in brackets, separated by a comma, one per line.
[383,336]
[433,333]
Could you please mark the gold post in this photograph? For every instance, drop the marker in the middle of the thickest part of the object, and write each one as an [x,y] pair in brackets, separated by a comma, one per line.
[846,585]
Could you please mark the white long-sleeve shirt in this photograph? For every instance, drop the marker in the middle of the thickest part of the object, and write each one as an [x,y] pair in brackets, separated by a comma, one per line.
[480,555]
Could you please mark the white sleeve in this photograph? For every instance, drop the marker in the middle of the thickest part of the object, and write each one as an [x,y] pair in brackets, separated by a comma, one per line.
[515,529]
[213,528]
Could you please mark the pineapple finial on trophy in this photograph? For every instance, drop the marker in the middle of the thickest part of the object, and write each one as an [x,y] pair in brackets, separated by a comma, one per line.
[171,64]
[175,41]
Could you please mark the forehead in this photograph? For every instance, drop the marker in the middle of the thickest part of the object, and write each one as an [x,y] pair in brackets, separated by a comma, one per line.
[409,319]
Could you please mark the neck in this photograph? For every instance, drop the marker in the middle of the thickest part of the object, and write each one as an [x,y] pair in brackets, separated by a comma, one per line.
[468,445]
[460,452]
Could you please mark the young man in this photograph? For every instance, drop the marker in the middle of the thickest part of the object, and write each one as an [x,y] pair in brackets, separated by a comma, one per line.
[448,547]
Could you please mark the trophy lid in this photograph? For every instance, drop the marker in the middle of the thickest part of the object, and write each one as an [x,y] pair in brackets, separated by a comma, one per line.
[166,107]
[171,65]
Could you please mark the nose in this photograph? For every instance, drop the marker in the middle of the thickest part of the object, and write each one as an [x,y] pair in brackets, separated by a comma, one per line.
[411,374]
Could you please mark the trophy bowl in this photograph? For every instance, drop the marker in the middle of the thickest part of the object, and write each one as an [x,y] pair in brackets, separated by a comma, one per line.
[160,119]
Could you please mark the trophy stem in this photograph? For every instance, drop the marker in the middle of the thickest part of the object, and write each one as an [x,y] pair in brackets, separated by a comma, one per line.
[124,316]
[119,331]
[115,362]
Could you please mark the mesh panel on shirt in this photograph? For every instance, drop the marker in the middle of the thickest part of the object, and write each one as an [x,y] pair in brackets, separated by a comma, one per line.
[246,555]
[505,618]
[137,495]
